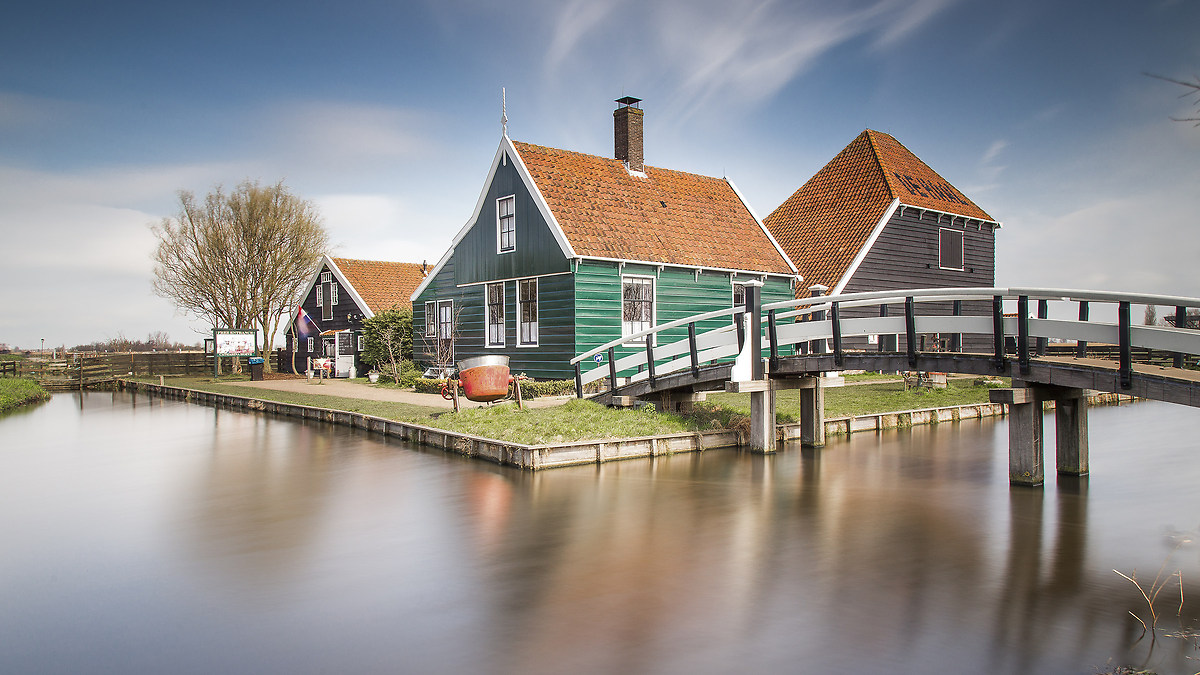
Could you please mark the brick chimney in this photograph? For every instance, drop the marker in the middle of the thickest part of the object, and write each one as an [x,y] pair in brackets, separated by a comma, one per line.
[627,133]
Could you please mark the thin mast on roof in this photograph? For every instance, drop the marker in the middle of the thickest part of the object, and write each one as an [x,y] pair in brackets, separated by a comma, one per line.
[503,114]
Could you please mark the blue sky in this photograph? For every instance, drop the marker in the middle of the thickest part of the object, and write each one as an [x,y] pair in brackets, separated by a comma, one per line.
[387,114]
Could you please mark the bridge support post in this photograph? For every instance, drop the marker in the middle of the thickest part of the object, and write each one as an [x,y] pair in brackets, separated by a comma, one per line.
[1025,451]
[1071,433]
[762,421]
[812,412]
[1025,445]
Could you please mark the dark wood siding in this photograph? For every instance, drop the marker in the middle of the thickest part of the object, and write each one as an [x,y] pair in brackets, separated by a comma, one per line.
[340,320]
[906,255]
[537,252]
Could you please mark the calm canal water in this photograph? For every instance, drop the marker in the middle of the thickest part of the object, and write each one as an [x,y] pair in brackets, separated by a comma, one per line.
[149,536]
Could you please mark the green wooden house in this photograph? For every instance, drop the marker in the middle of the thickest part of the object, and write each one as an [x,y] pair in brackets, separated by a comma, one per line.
[566,251]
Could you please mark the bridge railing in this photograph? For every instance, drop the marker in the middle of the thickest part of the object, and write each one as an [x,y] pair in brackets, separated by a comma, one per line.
[810,324]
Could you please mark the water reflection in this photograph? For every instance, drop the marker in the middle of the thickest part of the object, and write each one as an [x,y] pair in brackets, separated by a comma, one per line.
[236,541]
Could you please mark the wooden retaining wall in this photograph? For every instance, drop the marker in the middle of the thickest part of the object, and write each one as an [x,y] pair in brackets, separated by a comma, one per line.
[531,457]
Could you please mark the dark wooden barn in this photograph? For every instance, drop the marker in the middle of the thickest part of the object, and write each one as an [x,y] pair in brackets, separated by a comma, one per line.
[877,218]
[343,293]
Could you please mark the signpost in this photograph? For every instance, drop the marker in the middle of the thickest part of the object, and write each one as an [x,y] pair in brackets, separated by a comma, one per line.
[233,342]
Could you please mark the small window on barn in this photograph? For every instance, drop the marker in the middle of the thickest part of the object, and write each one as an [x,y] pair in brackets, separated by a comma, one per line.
[495,314]
[951,249]
[527,313]
[311,345]
[637,304]
[326,277]
[430,319]
[360,342]
[506,224]
[333,293]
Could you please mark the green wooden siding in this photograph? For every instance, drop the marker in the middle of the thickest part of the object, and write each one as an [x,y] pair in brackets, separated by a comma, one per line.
[550,359]
[537,252]
[679,293]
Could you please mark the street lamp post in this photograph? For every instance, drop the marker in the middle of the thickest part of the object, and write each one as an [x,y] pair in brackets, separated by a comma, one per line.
[43,348]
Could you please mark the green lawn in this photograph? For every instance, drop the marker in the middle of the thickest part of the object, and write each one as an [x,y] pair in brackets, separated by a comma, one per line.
[864,399]
[18,391]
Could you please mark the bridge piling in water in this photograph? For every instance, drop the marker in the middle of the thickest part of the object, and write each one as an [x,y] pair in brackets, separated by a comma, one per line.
[1026,450]
[812,412]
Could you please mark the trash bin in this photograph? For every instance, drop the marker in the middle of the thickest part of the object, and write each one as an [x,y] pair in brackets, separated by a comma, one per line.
[256,368]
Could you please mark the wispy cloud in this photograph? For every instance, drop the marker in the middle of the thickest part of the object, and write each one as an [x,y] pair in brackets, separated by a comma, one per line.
[696,51]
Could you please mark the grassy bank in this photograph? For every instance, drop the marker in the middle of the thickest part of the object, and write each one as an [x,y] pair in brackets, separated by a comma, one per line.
[18,391]
[573,421]
[584,420]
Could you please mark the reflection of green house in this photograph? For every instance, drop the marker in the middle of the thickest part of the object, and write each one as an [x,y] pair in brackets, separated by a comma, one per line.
[566,251]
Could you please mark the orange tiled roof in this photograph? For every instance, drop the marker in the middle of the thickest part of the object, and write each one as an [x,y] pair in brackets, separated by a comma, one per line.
[825,223]
[668,217]
[381,284]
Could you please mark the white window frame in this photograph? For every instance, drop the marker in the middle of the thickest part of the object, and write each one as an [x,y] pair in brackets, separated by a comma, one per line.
[627,328]
[311,346]
[962,249]
[320,295]
[487,315]
[431,318]
[500,225]
[326,277]
[333,293]
[537,310]
[360,342]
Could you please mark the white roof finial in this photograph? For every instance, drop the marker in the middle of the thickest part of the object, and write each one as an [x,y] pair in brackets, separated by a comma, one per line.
[503,114]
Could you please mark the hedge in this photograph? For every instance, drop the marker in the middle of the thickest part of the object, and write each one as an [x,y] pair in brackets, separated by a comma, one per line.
[529,388]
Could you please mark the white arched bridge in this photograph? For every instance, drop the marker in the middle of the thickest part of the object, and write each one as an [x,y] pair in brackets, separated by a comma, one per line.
[1004,332]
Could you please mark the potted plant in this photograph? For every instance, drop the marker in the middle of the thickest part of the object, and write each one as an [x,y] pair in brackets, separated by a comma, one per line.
[373,376]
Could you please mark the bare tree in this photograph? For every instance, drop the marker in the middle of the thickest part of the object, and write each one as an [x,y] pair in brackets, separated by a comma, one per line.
[158,340]
[1192,89]
[238,260]
[1151,316]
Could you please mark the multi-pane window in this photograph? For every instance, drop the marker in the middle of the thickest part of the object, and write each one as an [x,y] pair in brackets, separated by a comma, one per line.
[527,309]
[951,249]
[506,219]
[495,314]
[445,335]
[360,342]
[430,319]
[637,304]
[311,347]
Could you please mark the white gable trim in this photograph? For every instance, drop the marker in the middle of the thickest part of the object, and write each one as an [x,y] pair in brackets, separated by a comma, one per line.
[506,149]
[358,300]
[866,248]
[758,221]
[327,261]
[560,236]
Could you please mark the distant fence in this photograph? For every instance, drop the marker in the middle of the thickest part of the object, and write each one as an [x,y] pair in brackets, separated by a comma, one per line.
[80,369]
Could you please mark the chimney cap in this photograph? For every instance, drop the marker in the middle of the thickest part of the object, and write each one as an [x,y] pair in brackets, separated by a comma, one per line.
[629,101]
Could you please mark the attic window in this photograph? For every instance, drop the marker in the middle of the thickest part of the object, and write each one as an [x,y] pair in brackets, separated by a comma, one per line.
[951,249]
[506,224]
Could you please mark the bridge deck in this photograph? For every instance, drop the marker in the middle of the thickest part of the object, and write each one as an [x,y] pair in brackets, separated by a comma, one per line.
[1173,385]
